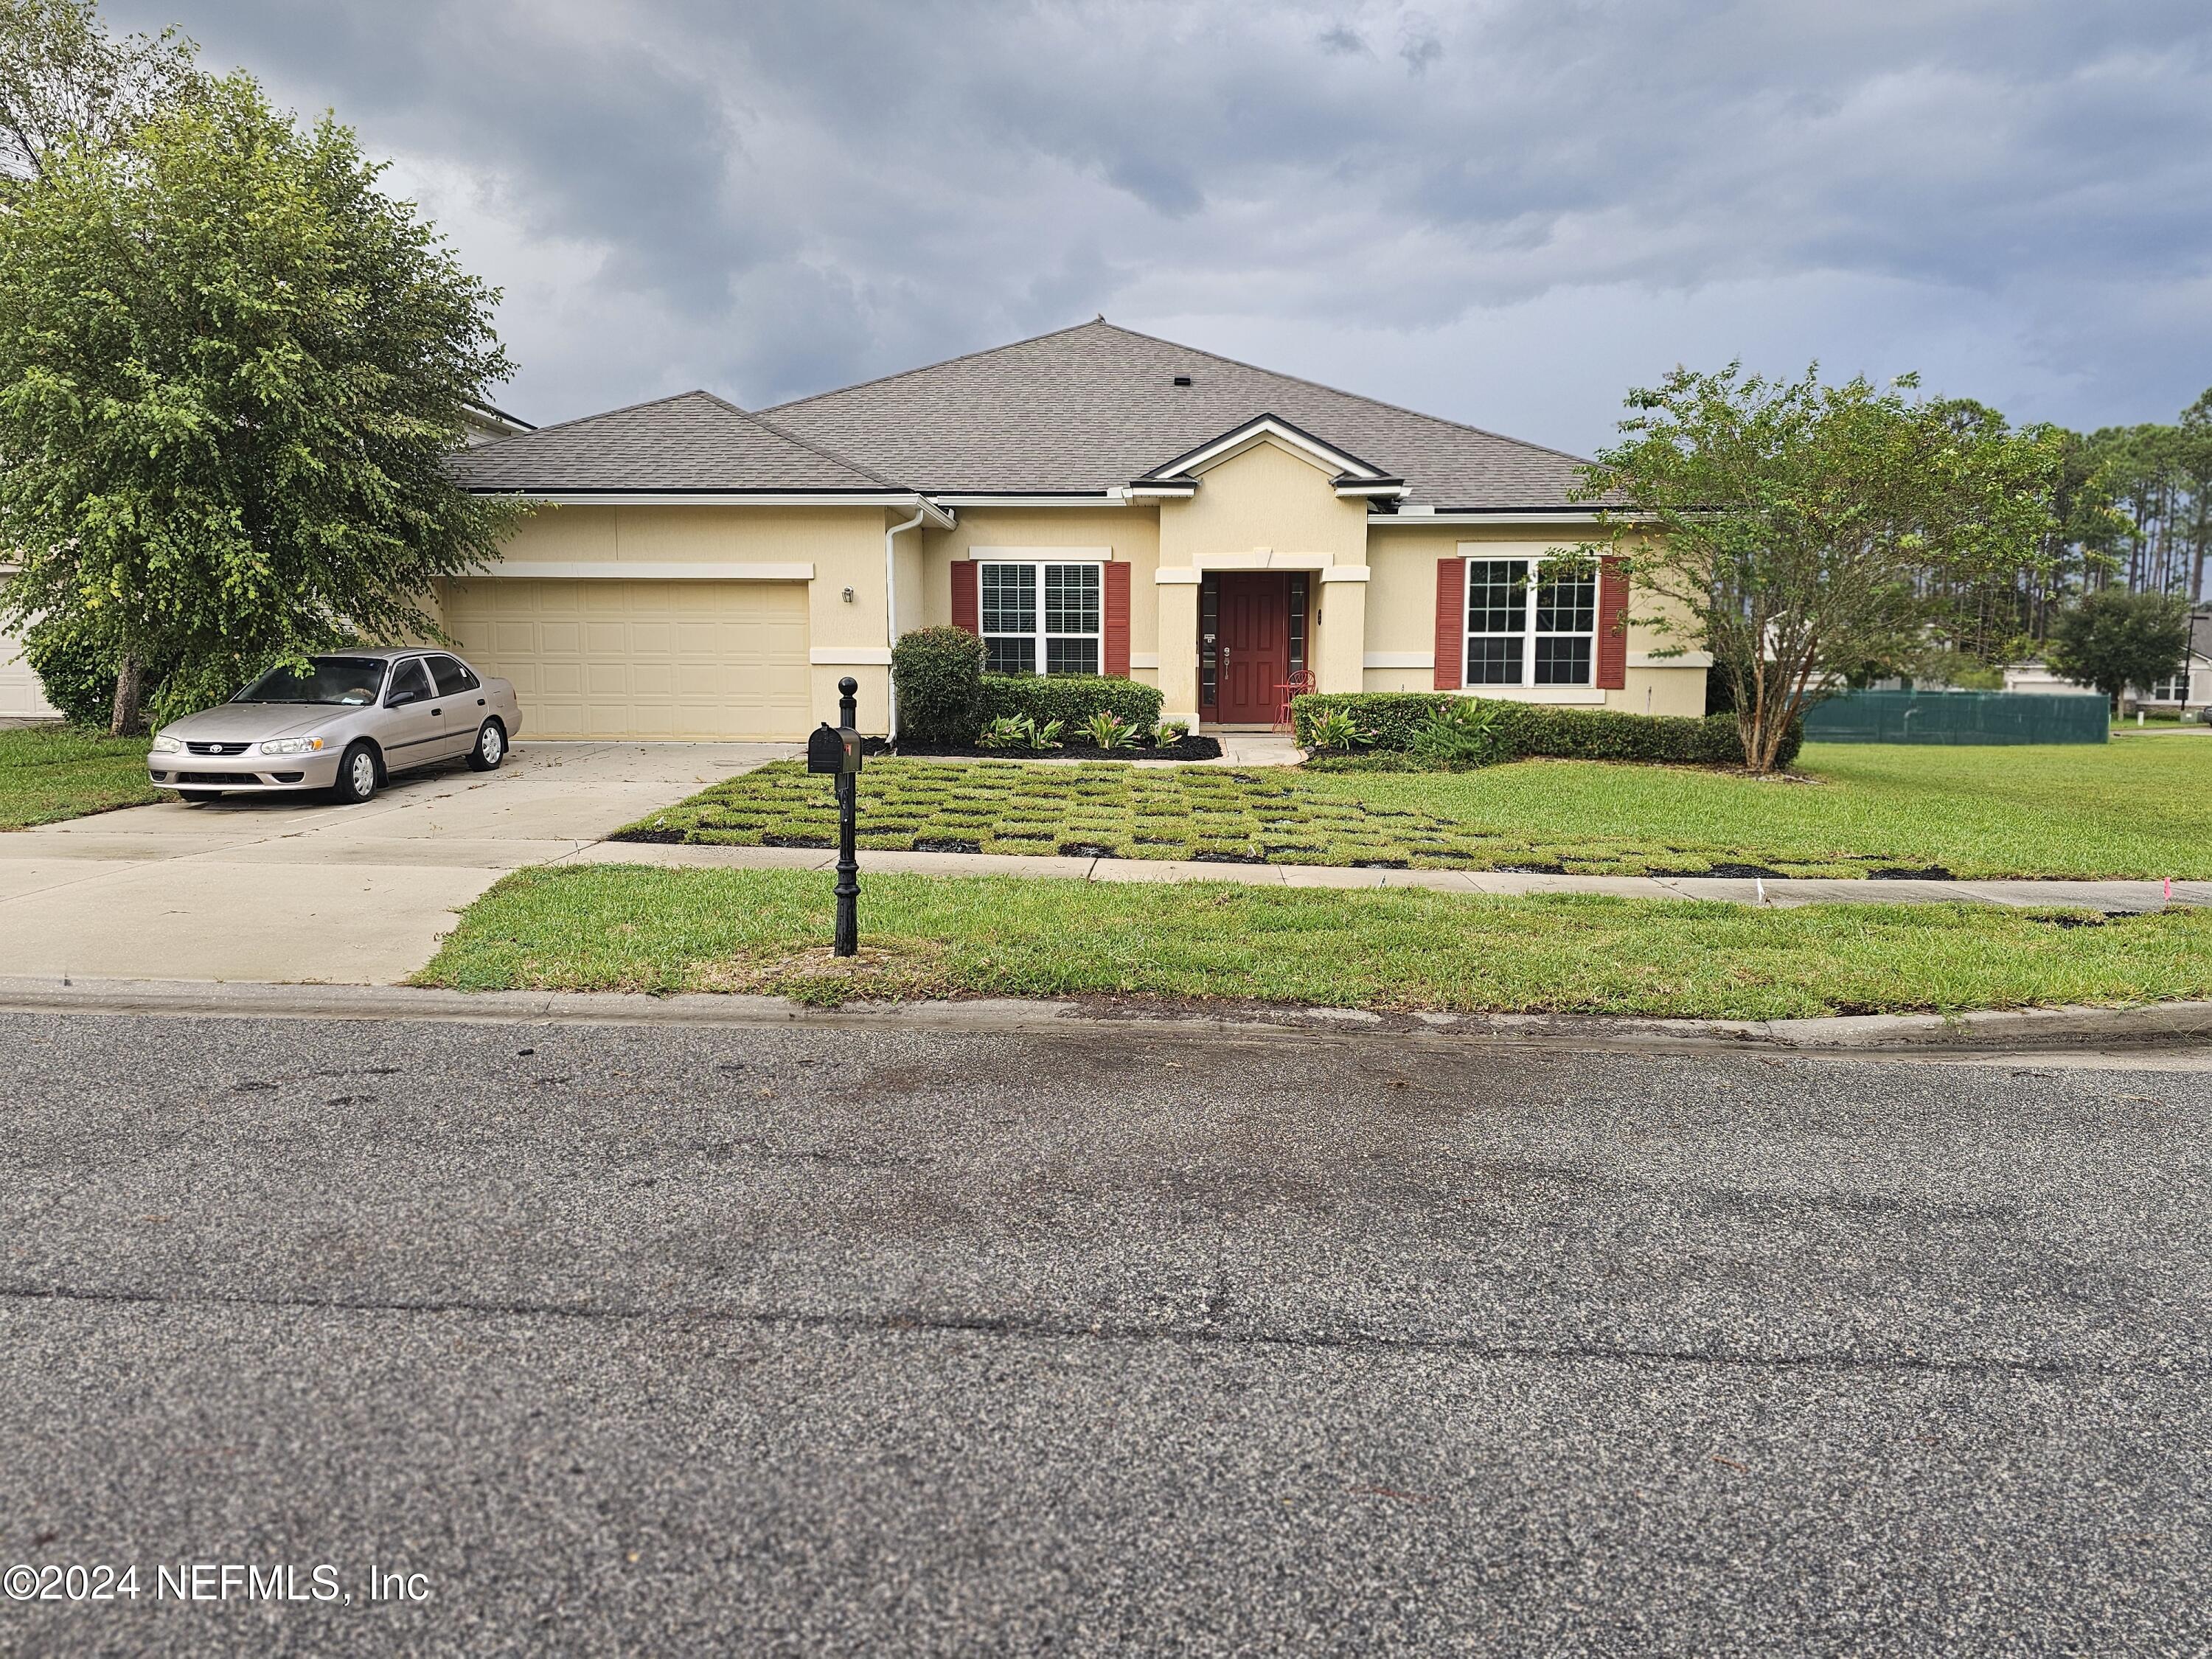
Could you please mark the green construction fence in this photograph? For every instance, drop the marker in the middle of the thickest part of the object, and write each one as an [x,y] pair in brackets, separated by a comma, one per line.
[1960,717]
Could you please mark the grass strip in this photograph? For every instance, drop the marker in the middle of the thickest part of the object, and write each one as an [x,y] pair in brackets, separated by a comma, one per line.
[48,773]
[632,928]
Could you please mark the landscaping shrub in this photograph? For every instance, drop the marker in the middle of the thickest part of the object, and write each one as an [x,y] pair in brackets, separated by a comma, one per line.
[1414,723]
[1461,733]
[1074,699]
[78,673]
[938,673]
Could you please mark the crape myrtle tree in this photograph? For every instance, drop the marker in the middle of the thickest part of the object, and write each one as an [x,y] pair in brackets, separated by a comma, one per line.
[231,374]
[1799,532]
[2112,639]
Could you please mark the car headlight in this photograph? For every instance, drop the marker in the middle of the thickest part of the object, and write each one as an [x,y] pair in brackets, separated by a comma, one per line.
[291,745]
[166,745]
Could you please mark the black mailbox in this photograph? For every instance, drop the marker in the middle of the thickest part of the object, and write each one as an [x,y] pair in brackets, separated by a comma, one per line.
[833,748]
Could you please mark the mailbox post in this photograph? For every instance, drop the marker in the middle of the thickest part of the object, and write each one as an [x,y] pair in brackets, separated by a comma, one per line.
[836,750]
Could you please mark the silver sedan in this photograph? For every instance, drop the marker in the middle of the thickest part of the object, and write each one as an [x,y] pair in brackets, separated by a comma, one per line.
[344,725]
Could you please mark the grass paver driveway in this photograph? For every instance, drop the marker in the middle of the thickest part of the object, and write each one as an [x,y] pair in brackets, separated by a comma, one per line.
[2132,809]
[48,773]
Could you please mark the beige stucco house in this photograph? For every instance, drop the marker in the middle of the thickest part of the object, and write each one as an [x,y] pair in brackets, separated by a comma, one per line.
[1090,501]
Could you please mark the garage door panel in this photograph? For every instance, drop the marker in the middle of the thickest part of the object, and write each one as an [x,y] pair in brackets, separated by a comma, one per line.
[643,659]
[21,695]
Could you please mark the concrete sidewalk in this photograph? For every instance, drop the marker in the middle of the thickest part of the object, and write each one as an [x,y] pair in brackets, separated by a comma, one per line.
[2112,896]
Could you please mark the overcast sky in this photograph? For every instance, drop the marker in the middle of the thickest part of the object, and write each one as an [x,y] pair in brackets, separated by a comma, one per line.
[1506,213]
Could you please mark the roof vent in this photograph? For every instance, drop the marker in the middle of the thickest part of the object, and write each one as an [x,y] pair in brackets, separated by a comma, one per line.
[1182,380]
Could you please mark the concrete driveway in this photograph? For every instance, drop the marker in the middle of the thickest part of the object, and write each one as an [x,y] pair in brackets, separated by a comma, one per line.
[296,889]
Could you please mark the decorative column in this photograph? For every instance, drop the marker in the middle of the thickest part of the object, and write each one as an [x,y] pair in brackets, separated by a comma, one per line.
[1340,647]
[1178,600]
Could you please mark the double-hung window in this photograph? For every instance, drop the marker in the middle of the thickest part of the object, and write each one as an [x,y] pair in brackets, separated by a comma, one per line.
[1040,617]
[1529,626]
[2174,688]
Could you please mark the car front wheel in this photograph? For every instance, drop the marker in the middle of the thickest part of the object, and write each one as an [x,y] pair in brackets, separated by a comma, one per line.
[356,783]
[490,747]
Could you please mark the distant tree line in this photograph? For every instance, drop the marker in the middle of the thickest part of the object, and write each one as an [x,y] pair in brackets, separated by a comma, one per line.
[2131,510]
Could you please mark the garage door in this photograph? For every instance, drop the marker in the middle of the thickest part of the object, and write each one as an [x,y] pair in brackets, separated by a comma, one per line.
[19,696]
[643,658]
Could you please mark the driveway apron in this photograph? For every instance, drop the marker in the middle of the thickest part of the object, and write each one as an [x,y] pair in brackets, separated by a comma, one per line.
[295,891]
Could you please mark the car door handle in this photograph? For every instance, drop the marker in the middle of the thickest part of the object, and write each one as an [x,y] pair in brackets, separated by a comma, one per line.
[436,712]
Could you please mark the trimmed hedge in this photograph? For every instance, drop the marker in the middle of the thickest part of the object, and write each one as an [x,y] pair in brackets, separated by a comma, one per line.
[938,673]
[1389,722]
[1073,698]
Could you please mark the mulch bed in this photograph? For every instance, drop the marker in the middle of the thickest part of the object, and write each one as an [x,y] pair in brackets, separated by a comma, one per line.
[1182,748]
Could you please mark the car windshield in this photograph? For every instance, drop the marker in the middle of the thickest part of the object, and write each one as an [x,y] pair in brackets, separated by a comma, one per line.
[346,681]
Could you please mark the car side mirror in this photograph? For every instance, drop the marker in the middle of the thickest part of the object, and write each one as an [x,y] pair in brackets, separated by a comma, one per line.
[401,698]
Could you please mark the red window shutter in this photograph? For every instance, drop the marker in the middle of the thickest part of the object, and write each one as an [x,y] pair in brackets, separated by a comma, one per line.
[1612,625]
[1117,619]
[967,611]
[1452,621]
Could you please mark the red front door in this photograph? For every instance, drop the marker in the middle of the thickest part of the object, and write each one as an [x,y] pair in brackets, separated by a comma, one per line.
[1255,647]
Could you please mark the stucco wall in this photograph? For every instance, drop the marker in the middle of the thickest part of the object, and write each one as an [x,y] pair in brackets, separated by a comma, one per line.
[1401,612]
[1264,497]
[845,546]
[1132,533]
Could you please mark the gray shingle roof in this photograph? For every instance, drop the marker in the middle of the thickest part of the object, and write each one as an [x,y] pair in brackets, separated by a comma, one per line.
[1094,406]
[691,441]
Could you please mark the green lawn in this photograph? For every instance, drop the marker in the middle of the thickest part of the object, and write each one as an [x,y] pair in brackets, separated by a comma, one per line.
[2120,809]
[627,928]
[48,772]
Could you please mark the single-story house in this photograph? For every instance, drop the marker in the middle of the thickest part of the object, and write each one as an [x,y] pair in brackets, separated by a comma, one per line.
[1090,501]
[2187,691]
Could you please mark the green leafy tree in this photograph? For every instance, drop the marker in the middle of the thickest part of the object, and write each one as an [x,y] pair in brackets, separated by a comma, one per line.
[231,374]
[1799,532]
[2113,639]
[63,78]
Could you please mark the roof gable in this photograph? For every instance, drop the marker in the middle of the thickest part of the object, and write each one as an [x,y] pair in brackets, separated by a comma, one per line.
[692,441]
[1267,428]
[1092,407]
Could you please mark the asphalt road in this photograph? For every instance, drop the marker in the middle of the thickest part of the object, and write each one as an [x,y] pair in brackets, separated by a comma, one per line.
[659,1340]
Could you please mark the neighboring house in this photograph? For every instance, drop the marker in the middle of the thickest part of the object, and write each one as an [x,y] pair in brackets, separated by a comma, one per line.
[483,423]
[2187,690]
[1090,501]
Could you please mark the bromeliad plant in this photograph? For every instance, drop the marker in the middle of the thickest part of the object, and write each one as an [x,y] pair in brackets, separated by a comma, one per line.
[1334,731]
[1021,732]
[1108,730]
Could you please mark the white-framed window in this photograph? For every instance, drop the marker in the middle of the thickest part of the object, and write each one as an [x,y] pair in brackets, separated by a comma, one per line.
[1040,618]
[2174,688]
[1529,627]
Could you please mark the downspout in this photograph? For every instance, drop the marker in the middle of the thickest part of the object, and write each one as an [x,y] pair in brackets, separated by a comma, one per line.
[890,613]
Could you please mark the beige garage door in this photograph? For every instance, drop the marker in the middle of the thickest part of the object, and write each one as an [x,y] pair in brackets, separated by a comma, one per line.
[642,660]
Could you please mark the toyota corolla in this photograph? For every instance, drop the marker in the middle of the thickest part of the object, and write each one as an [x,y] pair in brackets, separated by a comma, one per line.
[343,724]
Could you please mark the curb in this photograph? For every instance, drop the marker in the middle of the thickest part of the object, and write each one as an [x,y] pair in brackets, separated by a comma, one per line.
[2025,1030]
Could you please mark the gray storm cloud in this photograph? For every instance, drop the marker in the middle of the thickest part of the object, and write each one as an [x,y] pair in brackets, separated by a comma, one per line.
[1504,212]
